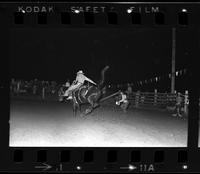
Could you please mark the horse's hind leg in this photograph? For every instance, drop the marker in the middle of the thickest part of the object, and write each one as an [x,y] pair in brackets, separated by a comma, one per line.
[79,108]
[88,110]
[93,105]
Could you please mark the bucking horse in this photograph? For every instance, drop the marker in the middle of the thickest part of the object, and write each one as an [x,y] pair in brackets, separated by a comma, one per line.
[88,94]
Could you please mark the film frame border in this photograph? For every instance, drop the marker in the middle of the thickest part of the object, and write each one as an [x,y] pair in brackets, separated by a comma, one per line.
[190,154]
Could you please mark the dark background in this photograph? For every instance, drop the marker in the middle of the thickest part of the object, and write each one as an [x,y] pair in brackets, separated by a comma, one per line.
[133,55]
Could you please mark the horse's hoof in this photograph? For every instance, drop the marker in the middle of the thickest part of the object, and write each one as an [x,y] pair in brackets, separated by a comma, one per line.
[87,111]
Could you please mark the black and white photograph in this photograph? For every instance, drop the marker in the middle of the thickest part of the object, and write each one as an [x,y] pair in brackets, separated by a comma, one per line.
[99,87]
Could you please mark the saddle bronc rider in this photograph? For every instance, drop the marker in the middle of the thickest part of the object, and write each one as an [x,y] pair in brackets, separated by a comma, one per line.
[80,79]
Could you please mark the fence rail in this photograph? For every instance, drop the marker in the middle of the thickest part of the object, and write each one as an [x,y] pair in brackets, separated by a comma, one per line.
[160,100]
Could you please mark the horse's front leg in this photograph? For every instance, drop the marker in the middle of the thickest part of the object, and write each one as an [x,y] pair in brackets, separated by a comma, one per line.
[88,110]
[74,109]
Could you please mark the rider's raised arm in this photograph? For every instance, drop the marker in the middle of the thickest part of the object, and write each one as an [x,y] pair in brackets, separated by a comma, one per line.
[87,79]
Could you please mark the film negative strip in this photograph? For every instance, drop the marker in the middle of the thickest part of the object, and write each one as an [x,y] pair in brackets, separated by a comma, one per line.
[99,87]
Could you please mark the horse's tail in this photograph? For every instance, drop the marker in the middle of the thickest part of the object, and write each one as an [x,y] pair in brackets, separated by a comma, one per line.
[101,83]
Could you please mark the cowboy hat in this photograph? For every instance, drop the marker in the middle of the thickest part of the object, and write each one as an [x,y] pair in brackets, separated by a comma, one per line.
[80,72]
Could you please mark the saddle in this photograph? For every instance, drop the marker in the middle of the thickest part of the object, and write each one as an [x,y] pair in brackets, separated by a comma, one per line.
[79,90]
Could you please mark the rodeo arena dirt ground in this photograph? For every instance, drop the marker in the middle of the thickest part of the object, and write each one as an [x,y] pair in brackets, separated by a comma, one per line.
[49,123]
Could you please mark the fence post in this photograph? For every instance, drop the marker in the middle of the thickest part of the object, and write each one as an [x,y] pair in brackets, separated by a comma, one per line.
[186,102]
[18,87]
[165,99]
[137,97]
[155,97]
[43,93]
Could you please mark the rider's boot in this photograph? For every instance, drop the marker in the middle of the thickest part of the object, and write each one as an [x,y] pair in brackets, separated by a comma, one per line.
[69,97]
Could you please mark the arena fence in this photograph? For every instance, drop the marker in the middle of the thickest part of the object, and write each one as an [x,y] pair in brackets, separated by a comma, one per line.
[155,99]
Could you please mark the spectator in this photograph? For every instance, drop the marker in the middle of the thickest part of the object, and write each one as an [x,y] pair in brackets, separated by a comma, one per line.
[129,89]
[179,101]
[123,102]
